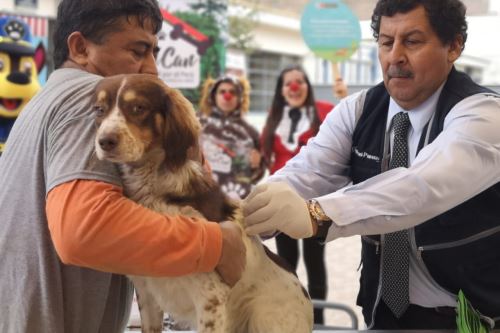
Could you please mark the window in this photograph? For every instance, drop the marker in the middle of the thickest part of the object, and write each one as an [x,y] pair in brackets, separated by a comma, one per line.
[27,3]
[263,71]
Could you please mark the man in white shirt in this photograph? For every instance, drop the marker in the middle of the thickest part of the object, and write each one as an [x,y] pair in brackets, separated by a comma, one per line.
[422,150]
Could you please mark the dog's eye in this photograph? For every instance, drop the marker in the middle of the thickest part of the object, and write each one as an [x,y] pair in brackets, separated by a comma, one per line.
[138,109]
[99,110]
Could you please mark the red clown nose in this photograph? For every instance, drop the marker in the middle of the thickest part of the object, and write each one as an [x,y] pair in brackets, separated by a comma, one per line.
[227,96]
[294,86]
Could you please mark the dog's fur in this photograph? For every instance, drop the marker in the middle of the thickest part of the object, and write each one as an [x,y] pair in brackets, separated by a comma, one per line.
[151,131]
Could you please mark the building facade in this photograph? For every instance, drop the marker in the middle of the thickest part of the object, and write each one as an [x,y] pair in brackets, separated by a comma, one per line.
[277,42]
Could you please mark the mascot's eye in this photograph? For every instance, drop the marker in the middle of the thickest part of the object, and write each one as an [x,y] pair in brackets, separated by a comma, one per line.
[27,68]
[99,110]
[1,65]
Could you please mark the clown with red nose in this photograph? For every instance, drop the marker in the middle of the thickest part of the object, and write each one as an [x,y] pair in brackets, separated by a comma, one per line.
[230,144]
[293,118]
[227,97]
[295,89]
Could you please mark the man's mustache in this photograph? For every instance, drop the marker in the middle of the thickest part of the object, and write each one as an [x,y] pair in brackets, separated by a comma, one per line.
[398,72]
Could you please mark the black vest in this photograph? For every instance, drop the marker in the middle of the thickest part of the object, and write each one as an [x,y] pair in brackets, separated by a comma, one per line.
[461,247]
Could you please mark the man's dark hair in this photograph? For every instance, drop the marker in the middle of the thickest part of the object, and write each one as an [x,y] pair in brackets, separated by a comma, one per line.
[96,18]
[446,17]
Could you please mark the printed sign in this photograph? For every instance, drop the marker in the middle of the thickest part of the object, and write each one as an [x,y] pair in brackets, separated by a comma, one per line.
[192,43]
[181,47]
[330,29]
[178,61]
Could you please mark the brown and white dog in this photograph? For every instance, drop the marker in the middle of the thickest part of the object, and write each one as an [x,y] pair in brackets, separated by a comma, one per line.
[152,132]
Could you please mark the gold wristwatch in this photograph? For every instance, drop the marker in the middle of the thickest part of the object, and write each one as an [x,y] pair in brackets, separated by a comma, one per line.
[318,216]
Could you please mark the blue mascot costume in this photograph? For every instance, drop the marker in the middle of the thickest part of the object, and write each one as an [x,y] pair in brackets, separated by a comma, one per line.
[20,64]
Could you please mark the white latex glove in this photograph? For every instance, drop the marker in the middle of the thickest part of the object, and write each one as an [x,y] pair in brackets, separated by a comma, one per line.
[276,206]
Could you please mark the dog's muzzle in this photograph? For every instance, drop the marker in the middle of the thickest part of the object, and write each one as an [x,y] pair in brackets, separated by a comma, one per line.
[108,142]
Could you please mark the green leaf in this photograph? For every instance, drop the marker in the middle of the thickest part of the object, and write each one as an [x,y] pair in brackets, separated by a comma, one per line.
[468,319]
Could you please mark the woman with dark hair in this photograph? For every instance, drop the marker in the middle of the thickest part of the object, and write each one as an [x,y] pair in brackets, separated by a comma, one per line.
[293,112]
[295,117]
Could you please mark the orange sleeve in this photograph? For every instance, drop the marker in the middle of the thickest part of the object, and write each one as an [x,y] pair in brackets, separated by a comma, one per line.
[93,225]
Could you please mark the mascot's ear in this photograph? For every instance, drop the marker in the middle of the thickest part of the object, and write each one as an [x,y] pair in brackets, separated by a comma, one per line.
[40,57]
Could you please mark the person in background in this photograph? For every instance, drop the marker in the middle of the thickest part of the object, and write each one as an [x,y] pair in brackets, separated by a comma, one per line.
[293,119]
[230,144]
[340,89]
[67,233]
[413,166]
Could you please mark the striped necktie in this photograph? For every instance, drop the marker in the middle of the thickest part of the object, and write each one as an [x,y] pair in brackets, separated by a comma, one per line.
[395,254]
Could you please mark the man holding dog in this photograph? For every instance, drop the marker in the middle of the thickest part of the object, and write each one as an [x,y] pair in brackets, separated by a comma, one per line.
[67,233]
[422,151]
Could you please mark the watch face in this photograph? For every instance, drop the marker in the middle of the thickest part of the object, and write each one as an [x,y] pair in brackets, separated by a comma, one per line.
[319,212]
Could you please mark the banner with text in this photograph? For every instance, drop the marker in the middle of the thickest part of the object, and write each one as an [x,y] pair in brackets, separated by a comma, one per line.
[192,43]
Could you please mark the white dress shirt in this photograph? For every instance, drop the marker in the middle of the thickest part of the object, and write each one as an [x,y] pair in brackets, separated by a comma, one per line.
[283,129]
[461,162]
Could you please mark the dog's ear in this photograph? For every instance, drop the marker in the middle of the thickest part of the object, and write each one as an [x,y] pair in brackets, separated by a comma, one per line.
[181,129]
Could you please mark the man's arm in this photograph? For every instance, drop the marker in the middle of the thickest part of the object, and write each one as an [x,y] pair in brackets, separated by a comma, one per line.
[321,167]
[93,225]
[461,162]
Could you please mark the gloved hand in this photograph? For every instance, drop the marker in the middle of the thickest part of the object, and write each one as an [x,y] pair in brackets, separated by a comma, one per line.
[276,206]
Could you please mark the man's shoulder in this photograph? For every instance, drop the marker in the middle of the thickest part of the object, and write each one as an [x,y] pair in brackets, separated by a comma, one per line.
[69,84]
[69,76]
[66,90]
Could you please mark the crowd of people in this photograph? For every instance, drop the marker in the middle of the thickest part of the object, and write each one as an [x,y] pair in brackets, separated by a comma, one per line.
[411,165]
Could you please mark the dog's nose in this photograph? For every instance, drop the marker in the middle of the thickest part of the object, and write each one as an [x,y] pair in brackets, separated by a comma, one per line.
[108,142]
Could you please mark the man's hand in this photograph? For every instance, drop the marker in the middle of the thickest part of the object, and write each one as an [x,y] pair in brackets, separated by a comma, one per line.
[233,258]
[276,206]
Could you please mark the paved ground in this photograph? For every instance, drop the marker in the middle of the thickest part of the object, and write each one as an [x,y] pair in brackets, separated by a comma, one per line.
[342,257]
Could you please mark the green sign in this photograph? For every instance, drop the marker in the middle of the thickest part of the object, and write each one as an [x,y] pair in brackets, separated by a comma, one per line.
[330,29]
